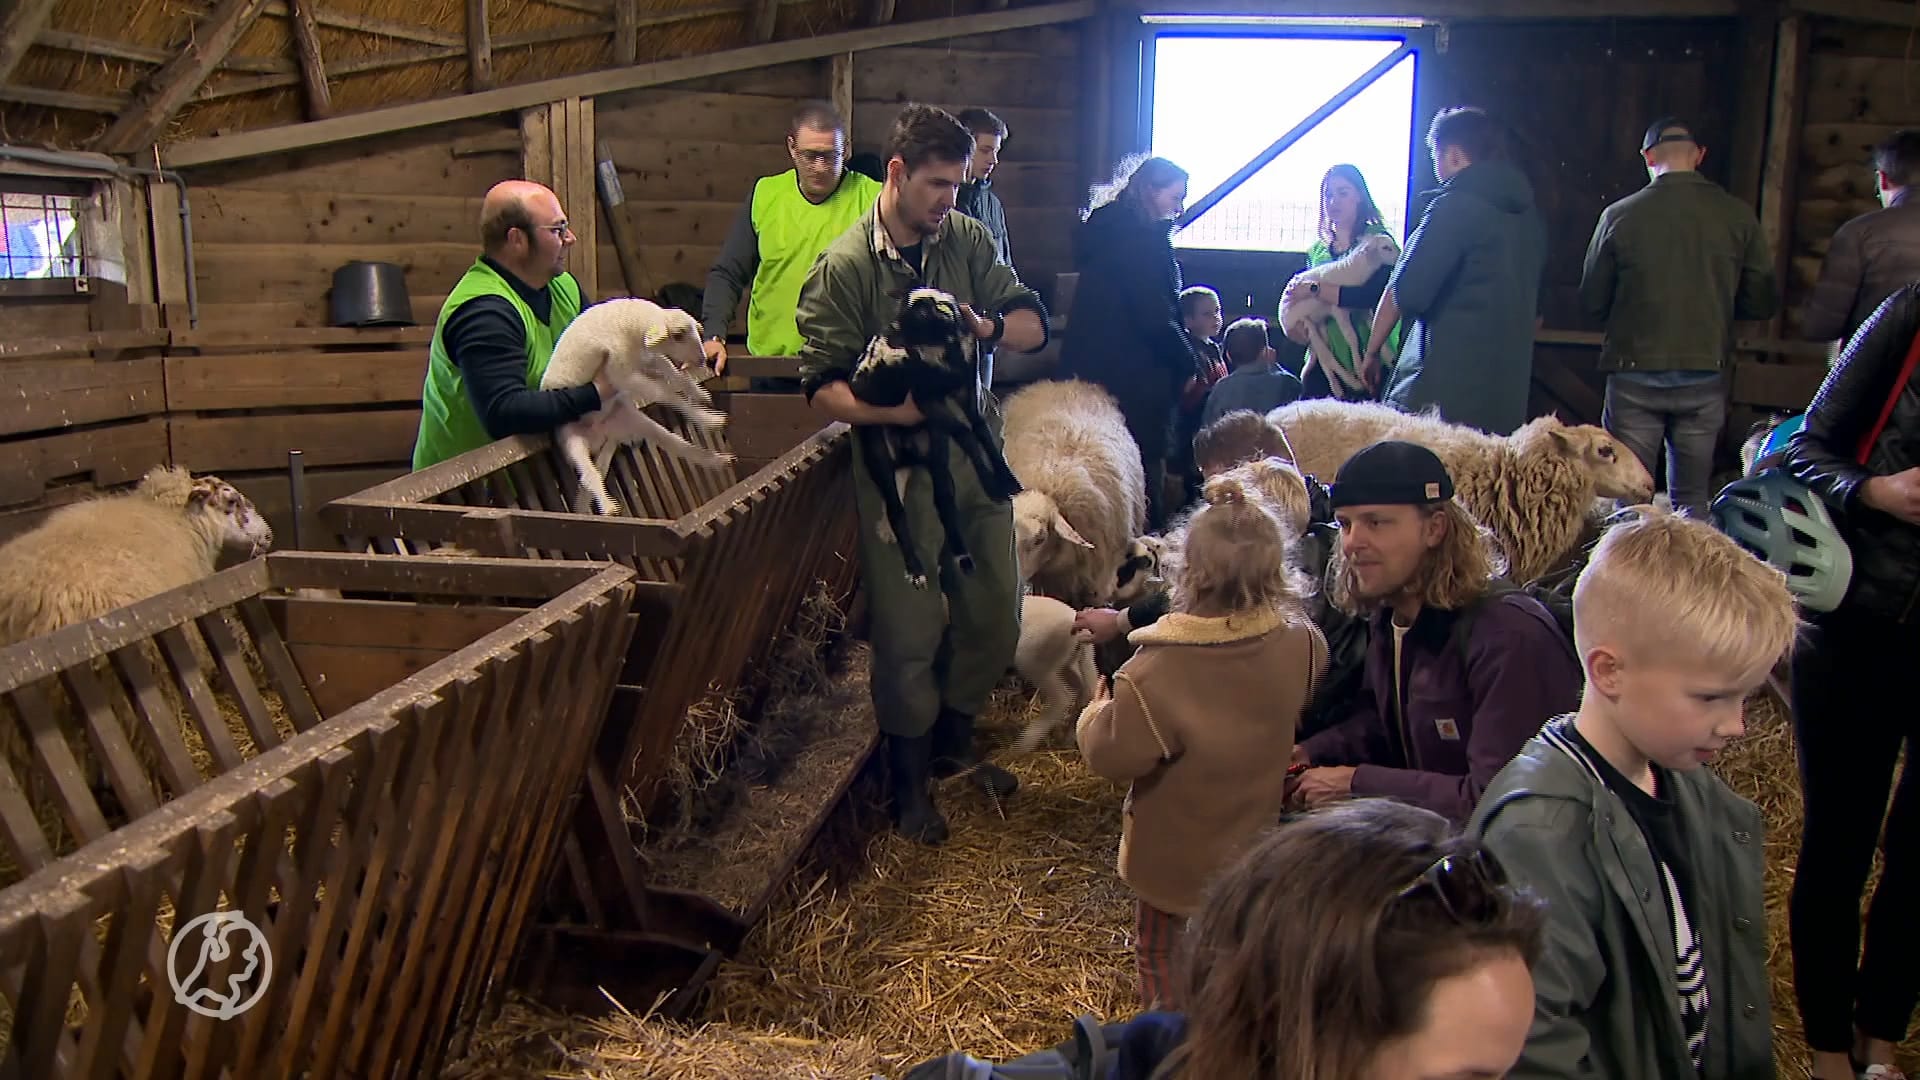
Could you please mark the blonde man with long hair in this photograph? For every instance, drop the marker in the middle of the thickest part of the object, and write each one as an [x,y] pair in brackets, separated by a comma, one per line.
[1443,705]
[1655,964]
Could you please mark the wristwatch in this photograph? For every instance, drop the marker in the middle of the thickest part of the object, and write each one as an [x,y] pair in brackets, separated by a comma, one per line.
[999,329]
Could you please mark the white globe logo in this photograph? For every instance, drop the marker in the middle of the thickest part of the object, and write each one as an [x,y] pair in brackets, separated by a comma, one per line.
[213,943]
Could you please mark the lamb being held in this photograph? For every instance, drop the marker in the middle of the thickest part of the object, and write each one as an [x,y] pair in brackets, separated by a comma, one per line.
[1305,317]
[645,353]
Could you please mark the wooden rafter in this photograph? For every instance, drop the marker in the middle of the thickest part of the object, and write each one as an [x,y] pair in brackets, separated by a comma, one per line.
[423,54]
[313,70]
[479,47]
[879,12]
[626,32]
[175,84]
[63,99]
[120,50]
[22,23]
[760,20]
[590,7]
[368,24]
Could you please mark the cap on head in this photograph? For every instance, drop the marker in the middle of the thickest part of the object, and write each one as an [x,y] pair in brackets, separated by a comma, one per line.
[1391,473]
[1668,129]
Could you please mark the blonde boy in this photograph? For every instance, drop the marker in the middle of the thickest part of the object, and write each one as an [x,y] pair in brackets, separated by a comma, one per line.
[1655,959]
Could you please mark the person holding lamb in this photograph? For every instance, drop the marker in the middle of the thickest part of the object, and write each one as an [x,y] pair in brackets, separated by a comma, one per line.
[1348,216]
[497,329]
[1195,718]
[937,654]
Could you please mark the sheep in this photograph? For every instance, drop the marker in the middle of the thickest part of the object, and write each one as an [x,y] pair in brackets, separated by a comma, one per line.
[928,355]
[1139,572]
[1751,458]
[1534,489]
[1307,316]
[1086,491]
[645,352]
[1057,661]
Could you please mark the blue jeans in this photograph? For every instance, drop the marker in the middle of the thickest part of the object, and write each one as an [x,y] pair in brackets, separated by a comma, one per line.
[1685,420]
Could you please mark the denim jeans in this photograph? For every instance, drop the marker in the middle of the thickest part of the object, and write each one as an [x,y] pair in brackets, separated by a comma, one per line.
[1685,420]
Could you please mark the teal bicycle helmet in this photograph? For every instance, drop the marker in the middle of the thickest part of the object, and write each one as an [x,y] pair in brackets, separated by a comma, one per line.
[1786,525]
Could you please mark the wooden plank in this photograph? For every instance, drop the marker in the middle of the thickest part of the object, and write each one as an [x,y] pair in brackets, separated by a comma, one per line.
[584,260]
[840,84]
[1777,386]
[107,105]
[224,215]
[41,395]
[536,144]
[1825,146]
[1032,132]
[689,114]
[761,15]
[626,31]
[85,343]
[1747,141]
[241,273]
[1777,180]
[120,50]
[283,379]
[695,170]
[479,47]
[507,99]
[764,426]
[918,73]
[1059,42]
[368,24]
[240,443]
[301,314]
[22,23]
[293,337]
[879,12]
[1883,12]
[1860,89]
[385,624]
[407,163]
[113,454]
[174,85]
[273,498]
[313,68]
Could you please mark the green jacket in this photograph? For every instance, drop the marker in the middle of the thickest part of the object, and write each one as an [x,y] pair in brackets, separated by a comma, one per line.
[1605,1004]
[1669,270]
[855,288]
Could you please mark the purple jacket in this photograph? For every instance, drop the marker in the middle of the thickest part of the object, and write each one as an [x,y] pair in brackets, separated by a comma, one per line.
[1463,722]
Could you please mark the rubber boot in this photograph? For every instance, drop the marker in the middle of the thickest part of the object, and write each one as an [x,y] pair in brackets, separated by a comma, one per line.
[914,815]
[953,753]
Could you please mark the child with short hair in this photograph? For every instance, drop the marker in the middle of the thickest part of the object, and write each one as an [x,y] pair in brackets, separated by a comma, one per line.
[1193,718]
[1656,958]
[1255,381]
[1200,314]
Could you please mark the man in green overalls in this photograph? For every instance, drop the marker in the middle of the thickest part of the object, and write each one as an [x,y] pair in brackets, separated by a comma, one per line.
[937,654]
[497,328]
[787,221]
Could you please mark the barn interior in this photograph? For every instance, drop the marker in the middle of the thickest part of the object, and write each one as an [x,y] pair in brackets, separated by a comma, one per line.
[204,201]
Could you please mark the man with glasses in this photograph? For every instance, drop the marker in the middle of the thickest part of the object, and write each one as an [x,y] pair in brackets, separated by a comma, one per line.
[787,221]
[496,332]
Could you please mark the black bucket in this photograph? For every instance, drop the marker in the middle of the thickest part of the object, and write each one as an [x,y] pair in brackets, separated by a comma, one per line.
[371,294]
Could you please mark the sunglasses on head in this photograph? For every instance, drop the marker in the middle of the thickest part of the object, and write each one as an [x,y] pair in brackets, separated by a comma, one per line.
[1470,887]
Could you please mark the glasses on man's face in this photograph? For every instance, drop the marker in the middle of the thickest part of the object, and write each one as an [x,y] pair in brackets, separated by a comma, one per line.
[819,159]
[1472,888]
[560,231]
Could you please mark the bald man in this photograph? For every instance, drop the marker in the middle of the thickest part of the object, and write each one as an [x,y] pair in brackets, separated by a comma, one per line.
[496,332]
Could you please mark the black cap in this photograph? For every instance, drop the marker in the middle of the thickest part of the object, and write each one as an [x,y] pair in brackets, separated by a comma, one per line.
[1665,130]
[1391,474]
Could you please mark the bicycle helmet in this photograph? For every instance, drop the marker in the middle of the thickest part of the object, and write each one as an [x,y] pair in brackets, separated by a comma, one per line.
[1784,524]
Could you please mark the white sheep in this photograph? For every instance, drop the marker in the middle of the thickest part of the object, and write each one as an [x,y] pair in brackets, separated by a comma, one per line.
[645,352]
[1534,490]
[1057,661]
[1084,491]
[1139,572]
[1306,317]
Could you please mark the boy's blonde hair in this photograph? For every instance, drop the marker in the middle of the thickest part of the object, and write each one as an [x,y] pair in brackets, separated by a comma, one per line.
[1233,555]
[1661,585]
[1281,483]
[1237,438]
[1449,577]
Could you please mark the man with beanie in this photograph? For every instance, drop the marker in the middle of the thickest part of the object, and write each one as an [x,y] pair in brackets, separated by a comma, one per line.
[1670,268]
[1461,670]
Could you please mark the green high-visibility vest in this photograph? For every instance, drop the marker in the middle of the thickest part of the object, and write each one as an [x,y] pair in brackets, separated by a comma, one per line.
[792,233]
[448,425]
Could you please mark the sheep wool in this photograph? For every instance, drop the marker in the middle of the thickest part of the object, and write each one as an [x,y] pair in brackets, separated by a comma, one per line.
[1309,315]
[1534,490]
[1085,491]
[1059,664]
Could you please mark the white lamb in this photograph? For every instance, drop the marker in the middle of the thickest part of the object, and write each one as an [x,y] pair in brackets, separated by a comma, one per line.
[1057,661]
[645,353]
[1084,492]
[1306,317]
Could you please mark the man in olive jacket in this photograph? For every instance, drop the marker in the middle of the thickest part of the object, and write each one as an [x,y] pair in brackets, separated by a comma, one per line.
[1670,268]
[937,654]
[1470,282]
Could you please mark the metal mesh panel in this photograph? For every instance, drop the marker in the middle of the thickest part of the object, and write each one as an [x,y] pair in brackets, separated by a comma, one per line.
[40,238]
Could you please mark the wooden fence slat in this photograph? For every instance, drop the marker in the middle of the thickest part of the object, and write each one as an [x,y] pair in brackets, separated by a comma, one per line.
[188,676]
[19,826]
[54,755]
[157,723]
[96,704]
[232,664]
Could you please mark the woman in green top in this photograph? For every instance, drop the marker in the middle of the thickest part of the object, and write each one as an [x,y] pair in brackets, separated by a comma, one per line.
[1347,212]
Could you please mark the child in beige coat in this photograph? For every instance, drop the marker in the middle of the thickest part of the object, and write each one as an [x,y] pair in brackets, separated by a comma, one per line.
[1202,716]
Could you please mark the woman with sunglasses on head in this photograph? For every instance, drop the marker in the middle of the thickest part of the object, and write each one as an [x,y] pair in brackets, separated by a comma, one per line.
[1368,940]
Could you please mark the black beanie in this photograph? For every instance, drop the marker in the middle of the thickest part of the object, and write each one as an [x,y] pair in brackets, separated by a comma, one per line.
[1391,474]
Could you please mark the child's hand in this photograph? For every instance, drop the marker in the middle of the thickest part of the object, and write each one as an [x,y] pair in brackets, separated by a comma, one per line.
[1318,787]
[1102,624]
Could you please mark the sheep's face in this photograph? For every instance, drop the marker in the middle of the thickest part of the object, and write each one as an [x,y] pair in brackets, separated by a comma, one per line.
[1379,249]
[1140,571]
[1756,440]
[677,337]
[928,317]
[241,526]
[1040,534]
[1617,472]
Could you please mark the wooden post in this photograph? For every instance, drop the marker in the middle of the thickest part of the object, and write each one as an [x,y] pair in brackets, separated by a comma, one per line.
[169,252]
[557,149]
[1783,148]
[626,32]
[840,89]
[1746,143]
[760,20]
[479,46]
[143,121]
[313,70]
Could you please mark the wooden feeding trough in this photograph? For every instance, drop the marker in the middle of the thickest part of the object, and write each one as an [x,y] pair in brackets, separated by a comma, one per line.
[389,848]
[725,566]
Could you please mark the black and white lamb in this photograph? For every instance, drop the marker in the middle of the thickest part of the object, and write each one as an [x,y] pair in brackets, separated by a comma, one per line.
[929,354]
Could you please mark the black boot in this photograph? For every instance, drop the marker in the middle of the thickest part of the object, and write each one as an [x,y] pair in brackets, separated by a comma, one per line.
[914,815]
[953,753]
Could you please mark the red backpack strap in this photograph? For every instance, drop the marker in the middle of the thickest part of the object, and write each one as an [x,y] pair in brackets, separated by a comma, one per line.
[1893,397]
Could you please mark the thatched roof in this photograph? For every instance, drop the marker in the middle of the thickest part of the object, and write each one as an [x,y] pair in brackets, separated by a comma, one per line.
[68,68]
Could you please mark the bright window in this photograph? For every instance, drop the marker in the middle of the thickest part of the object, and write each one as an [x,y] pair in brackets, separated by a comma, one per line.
[39,238]
[1218,101]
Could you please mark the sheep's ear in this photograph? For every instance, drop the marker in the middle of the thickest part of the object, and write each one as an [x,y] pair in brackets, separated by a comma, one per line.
[1068,534]
[1563,439]
[656,336]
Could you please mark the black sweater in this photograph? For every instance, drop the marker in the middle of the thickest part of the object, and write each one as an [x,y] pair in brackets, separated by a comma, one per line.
[486,339]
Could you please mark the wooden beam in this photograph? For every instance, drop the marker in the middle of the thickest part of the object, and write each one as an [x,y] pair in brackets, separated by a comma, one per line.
[120,50]
[879,12]
[840,87]
[626,32]
[590,7]
[479,47]
[760,20]
[22,23]
[64,99]
[313,70]
[1901,13]
[1746,143]
[174,84]
[368,24]
[1785,116]
[277,140]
